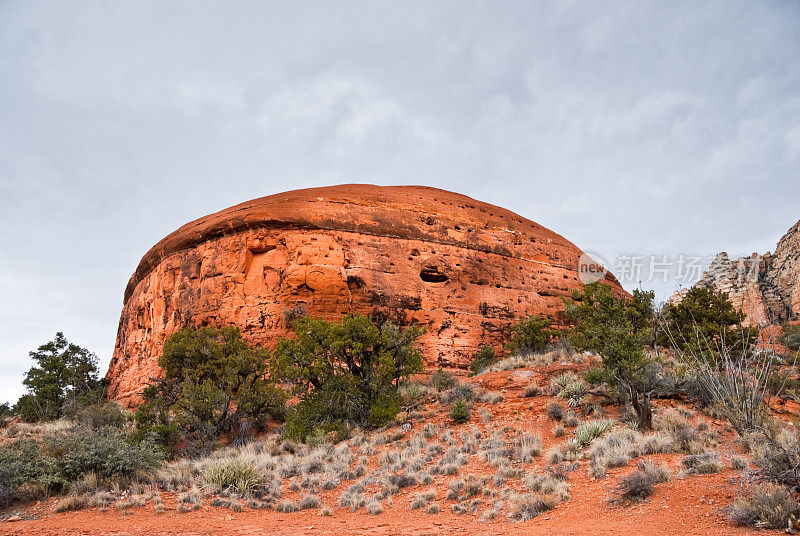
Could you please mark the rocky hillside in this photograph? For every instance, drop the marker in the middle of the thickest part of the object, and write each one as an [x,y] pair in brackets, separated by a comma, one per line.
[765,287]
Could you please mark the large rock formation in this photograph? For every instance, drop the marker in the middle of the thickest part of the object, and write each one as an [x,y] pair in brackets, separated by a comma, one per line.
[765,287]
[464,269]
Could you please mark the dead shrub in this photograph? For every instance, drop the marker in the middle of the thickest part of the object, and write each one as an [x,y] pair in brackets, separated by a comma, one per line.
[702,464]
[530,505]
[765,506]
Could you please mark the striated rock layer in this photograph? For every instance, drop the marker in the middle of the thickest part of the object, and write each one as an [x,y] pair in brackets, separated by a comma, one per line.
[765,287]
[464,269]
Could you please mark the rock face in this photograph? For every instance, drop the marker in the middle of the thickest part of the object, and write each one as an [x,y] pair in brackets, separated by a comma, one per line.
[765,287]
[464,269]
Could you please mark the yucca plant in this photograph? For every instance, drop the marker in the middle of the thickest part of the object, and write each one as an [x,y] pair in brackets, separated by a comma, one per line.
[558,383]
[591,430]
[573,392]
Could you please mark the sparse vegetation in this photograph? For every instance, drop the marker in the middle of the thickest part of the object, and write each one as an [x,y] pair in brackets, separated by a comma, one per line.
[790,336]
[555,411]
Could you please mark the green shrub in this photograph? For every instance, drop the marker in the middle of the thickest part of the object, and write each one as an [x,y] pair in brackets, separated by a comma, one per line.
[574,392]
[232,475]
[345,373]
[558,383]
[531,334]
[461,411]
[106,414]
[213,384]
[410,393]
[790,336]
[483,359]
[442,380]
[35,468]
[106,452]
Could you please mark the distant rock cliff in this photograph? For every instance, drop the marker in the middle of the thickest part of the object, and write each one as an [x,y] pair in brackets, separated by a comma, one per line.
[765,287]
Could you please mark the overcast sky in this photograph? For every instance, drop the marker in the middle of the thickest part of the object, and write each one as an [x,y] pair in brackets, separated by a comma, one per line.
[644,128]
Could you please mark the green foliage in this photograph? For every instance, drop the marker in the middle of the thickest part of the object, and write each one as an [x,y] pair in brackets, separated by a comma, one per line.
[213,383]
[461,411]
[442,380]
[702,317]
[790,336]
[101,415]
[617,328]
[483,359]
[345,373]
[30,469]
[63,379]
[531,334]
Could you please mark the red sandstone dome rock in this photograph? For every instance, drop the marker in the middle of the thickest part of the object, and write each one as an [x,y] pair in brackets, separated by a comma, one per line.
[464,269]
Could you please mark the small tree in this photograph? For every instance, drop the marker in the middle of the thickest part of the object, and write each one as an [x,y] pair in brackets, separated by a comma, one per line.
[345,372]
[213,383]
[790,337]
[64,378]
[617,328]
[530,334]
[705,315]
[484,358]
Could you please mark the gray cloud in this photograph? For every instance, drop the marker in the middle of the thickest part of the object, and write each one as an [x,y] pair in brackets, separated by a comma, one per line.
[625,126]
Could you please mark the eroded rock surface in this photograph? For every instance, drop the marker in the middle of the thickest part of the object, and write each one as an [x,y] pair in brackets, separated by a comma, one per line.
[765,287]
[464,269]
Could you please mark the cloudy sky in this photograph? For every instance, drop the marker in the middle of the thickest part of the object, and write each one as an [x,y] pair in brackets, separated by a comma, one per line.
[638,128]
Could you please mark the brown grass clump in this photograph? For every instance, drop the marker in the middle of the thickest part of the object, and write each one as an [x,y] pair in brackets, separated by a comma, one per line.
[555,411]
[765,506]
[530,505]
[639,485]
[702,464]
[70,503]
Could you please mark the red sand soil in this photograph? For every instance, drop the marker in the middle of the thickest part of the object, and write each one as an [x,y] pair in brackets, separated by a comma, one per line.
[686,505]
